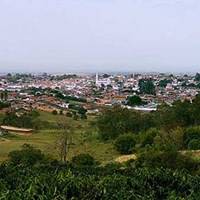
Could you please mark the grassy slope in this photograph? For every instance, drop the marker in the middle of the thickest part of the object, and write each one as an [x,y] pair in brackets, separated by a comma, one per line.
[85,139]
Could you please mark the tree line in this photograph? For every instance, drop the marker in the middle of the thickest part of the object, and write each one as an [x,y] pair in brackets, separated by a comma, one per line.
[158,138]
[116,120]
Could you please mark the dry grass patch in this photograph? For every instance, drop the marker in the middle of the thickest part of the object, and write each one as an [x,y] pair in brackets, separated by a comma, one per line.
[122,159]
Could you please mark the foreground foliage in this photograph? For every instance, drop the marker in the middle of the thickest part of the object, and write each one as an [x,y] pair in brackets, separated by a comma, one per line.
[67,182]
[41,178]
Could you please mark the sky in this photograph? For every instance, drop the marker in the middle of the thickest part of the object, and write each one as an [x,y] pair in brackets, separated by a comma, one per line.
[99,35]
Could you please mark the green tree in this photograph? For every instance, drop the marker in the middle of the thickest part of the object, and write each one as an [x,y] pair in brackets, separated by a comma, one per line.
[197,77]
[163,83]
[116,120]
[125,144]
[147,86]
[194,144]
[2,96]
[182,113]
[147,137]
[82,111]
[169,140]
[195,110]
[192,133]
[5,95]
[134,100]
[25,120]
[179,114]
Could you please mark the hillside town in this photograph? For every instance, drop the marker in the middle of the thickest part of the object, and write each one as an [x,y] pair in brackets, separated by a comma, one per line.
[91,92]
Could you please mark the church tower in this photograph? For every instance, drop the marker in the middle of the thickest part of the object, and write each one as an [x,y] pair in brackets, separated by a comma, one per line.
[97,79]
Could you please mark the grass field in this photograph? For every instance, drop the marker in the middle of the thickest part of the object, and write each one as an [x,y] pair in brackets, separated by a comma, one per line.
[85,139]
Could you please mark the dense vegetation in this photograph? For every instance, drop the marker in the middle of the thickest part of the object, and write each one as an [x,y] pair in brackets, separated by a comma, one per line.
[147,86]
[30,175]
[135,101]
[115,121]
[163,83]
[4,104]
[63,77]
[158,138]
[55,92]
[164,168]
[67,98]
[14,78]
[22,120]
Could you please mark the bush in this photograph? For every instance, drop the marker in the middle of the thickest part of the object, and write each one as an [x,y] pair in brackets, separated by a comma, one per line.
[125,144]
[168,159]
[35,113]
[147,138]
[83,116]
[83,160]
[54,112]
[69,114]
[191,134]
[28,155]
[75,117]
[134,100]
[4,104]
[169,140]
[82,111]
[194,144]
[61,112]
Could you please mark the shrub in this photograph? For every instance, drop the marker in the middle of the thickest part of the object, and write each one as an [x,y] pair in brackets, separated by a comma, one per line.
[134,100]
[82,111]
[69,114]
[125,144]
[169,140]
[147,138]
[83,160]
[168,159]
[54,112]
[190,134]
[194,144]
[4,104]
[28,155]
[25,120]
[75,117]
[83,116]
[35,113]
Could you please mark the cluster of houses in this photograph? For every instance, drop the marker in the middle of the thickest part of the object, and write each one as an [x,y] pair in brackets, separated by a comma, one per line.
[98,90]
[178,87]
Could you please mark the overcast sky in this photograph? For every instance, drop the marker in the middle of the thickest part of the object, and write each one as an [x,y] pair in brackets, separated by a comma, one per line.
[97,35]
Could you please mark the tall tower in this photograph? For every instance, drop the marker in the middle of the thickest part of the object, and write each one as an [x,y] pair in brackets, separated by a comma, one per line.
[97,79]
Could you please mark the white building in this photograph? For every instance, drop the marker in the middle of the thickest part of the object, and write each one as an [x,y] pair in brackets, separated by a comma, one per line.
[105,81]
